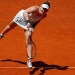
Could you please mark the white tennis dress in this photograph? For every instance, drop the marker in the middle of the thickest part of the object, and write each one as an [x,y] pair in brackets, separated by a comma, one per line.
[20,20]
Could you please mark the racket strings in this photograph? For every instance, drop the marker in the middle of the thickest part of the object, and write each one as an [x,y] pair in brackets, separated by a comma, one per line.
[33,49]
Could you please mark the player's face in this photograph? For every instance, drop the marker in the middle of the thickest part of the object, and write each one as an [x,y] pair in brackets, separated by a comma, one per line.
[42,10]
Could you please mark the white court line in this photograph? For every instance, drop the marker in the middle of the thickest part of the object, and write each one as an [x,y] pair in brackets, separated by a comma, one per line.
[71,67]
[35,67]
[13,67]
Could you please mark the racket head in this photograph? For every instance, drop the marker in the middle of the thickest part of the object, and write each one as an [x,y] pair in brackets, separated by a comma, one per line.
[33,54]
[33,51]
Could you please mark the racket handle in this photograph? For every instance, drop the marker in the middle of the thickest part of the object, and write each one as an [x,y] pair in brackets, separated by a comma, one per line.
[29,33]
[30,30]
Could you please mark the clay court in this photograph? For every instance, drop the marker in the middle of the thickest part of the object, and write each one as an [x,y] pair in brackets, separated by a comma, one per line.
[54,37]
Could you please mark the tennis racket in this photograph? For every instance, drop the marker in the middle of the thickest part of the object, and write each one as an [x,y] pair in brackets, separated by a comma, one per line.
[33,49]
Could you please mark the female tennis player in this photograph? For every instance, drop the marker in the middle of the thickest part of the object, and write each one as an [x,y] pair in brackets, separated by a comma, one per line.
[27,19]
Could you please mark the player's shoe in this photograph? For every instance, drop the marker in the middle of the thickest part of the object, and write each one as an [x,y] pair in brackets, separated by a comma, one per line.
[29,64]
[1,36]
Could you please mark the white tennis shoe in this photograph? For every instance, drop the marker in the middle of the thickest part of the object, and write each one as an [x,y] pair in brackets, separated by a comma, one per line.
[29,64]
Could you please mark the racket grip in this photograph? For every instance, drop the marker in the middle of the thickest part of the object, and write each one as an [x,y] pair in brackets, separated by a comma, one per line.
[28,32]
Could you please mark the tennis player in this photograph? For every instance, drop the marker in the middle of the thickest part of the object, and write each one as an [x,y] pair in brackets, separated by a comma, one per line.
[27,19]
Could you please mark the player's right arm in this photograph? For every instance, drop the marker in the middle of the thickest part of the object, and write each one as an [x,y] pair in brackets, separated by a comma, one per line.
[30,10]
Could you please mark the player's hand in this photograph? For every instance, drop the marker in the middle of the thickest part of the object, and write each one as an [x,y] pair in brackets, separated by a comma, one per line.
[31,29]
[28,25]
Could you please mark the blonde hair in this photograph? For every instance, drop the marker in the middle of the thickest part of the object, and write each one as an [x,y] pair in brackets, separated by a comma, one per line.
[47,2]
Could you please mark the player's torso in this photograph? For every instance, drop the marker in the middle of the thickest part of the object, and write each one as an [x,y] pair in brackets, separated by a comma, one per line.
[34,17]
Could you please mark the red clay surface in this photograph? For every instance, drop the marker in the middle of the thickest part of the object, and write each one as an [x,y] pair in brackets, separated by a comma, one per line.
[54,37]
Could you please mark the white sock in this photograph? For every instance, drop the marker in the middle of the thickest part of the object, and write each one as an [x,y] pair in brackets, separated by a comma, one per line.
[29,59]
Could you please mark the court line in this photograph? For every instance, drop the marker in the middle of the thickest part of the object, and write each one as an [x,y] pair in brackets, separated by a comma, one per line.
[71,67]
[36,67]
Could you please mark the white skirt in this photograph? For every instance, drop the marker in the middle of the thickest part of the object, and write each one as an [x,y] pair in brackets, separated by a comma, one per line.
[20,20]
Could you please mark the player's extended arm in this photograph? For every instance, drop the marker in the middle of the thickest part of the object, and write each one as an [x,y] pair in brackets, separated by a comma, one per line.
[27,11]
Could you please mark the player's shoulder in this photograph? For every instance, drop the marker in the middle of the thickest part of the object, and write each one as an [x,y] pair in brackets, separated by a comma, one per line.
[32,8]
[35,7]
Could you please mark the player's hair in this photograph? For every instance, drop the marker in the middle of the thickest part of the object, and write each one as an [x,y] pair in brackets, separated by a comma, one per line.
[47,2]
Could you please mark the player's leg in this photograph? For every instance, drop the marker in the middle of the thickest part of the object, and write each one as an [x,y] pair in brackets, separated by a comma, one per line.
[29,48]
[6,29]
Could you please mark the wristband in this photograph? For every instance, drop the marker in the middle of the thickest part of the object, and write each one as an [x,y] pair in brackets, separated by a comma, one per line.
[27,21]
